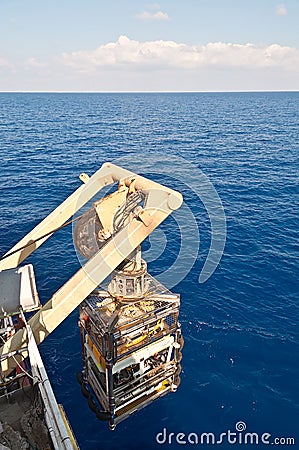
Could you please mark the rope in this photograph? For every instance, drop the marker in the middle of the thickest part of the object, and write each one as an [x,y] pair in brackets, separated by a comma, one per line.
[19,365]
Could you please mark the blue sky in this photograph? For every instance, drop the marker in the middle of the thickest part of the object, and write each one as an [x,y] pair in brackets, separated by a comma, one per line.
[124,45]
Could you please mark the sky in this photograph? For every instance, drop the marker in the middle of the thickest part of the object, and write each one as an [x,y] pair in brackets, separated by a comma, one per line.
[130,45]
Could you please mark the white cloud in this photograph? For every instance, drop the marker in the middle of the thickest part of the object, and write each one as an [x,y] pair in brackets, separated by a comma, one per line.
[281,10]
[158,15]
[5,64]
[33,62]
[169,54]
[131,65]
[153,6]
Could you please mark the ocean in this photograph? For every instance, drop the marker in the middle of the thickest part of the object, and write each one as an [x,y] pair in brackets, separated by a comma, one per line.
[240,359]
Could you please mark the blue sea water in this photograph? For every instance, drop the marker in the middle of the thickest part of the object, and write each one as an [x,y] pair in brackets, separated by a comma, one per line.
[240,360]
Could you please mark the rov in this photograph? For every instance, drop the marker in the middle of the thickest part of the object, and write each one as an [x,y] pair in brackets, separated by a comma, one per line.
[131,337]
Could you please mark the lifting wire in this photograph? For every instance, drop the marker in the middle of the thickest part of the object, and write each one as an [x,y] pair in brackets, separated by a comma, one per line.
[124,211]
[41,237]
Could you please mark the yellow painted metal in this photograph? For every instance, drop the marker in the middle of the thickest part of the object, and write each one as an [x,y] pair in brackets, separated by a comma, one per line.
[68,427]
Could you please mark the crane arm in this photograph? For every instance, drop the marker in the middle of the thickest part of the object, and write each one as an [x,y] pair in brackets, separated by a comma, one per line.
[56,219]
[160,202]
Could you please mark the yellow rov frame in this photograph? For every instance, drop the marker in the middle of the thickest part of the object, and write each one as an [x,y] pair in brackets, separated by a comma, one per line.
[160,201]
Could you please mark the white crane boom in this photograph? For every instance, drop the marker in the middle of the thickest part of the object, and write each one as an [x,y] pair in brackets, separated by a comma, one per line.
[159,202]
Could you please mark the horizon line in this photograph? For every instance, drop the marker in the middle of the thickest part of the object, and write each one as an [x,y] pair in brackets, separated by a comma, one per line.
[143,92]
